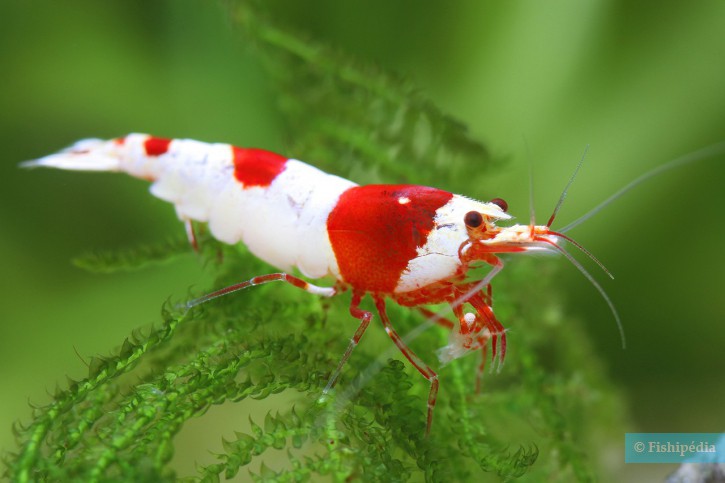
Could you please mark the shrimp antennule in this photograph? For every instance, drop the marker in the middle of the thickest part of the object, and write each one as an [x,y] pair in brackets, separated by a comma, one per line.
[593,281]
[574,261]
[566,188]
[583,250]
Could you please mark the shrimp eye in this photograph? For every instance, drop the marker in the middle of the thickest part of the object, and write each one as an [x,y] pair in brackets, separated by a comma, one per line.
[473,219]
[500,203]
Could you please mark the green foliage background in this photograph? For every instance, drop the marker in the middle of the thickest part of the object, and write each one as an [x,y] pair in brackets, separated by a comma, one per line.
[641,84]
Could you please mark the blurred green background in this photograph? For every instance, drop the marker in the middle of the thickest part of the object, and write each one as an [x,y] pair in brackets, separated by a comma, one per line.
[641,82]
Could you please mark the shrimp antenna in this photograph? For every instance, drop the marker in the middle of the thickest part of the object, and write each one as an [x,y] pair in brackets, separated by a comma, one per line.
[599,288]
[584,251]
[532,213]
[566,188]
[700,154]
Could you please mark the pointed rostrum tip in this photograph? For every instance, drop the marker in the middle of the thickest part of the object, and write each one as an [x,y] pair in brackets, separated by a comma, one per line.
[33,163]
[85,155]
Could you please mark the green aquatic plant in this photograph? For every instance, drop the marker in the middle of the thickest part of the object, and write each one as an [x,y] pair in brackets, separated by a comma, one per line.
[549,412]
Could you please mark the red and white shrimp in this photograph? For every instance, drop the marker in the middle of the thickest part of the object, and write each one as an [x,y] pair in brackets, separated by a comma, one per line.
[411,244]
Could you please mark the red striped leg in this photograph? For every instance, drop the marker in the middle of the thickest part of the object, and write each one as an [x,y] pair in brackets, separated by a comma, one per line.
[364,317]
[489,296]
[272,277]
[421,366]
[496,330]
[458,312]
[481,366]
[191,235]
[478,339]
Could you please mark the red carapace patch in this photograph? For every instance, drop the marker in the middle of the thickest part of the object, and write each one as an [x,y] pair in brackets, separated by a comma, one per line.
[257,167]
[156,146]
[375,231]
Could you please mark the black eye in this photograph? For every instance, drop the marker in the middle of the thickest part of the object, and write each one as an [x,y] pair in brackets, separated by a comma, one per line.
[500,203]
[473,219]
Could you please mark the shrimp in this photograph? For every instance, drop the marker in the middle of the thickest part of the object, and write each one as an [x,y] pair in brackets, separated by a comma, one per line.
[413,245]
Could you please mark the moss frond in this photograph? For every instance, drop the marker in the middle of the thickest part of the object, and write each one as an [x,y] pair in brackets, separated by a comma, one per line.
[107,261]
[372,118]
[140,256]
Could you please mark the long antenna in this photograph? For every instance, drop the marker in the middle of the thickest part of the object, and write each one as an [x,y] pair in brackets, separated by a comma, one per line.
[566,188]
[583,250]
[599,288]
[700,154]
[532,213]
